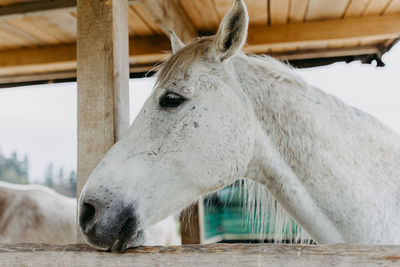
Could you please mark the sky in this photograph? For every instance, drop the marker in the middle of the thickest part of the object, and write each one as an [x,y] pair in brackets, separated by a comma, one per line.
[40,120]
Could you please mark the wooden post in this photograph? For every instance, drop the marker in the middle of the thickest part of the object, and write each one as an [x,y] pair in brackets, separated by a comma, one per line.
[192,223]
[103,76]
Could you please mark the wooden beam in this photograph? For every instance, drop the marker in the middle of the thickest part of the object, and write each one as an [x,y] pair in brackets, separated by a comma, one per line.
[147,51]
[25,61]
[36,8]
[326,53]
[52,74]
[170,16]
[262,39]
[102,76]
[39,8]
[192,223]
[58,62]
[202,255]
[39,78]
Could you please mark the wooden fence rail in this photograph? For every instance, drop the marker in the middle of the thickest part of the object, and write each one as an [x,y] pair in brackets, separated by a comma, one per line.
[202,255]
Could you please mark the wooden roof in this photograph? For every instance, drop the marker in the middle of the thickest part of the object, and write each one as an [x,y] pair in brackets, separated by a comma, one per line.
[37,37]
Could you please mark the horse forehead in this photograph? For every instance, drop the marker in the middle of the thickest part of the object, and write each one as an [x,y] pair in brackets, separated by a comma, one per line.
[184,85]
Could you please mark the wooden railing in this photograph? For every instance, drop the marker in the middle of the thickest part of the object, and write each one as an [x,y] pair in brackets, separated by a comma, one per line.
[201,255]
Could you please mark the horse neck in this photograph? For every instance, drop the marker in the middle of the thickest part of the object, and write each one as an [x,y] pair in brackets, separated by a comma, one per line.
[311,149]
[285,107]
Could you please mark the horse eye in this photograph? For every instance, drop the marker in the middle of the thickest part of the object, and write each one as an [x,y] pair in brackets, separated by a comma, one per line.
[171,100]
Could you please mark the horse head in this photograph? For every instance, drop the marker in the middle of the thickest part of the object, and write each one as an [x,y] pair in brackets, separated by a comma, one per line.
[194,135]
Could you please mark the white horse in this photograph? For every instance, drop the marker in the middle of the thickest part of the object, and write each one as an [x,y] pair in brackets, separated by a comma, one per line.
[216,115]
[37,214]
[34,213]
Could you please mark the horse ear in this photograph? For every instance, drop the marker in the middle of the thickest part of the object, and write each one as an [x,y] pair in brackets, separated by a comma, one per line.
[232,31]
[176,43]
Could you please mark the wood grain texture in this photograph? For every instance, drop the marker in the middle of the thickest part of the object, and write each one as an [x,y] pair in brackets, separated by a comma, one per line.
[136,25]
[317,34]
[146,18]
[297,10]
[63,57]
[170,16]
[30,8]
[102,75]
[202,255]
[147,51]
[323,10]
[192,224]
[203,14]
[11,37]
[258,11]
[13,2]
[278,11]
[330,52]
[376,7]
[47,30]
[36,8]
[356,8]
[222,7]
[393,8]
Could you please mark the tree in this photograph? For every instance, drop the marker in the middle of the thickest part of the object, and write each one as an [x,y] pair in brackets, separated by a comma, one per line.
[60,176]
[72,183]
[13,170]
[48,177]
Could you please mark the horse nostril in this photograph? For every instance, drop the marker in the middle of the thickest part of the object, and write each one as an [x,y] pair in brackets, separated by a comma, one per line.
[86,216]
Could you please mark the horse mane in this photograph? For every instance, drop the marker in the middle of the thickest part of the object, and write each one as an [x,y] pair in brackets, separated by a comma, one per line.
[261,210]
[179,63]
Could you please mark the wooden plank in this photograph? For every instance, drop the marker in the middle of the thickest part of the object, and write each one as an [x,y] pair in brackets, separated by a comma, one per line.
[261,39]
[327,53]
[278,11]
[29,8]
[393,8]
[321,33]
[32,78]
[356,8]
[202,255]
[59,71]
[43,29]
[341,43]
[297,10]
[47,58]
[322,10]
[26,39]
[9,38]
[102,76]
[203,14]
[169,15]
[192,223]
[136,24]
[258,11]
[376,7]
[12,2]
[222,7]
[372,42]
[146,18]
[64,21]
[36,8]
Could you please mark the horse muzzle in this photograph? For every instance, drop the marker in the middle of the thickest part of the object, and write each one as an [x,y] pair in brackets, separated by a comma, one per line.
[109,225]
